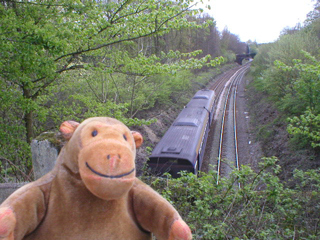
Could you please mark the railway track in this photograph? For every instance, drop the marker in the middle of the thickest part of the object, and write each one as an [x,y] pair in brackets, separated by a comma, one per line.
[223,152]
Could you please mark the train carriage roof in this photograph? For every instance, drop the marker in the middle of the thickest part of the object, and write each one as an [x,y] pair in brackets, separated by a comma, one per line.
[182,138]
[203,99]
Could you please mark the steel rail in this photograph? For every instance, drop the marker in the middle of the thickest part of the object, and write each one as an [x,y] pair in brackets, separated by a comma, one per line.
[240,77]
[234,82]
[222,126]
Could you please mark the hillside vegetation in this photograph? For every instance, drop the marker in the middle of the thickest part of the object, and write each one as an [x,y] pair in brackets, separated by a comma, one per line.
[285,96]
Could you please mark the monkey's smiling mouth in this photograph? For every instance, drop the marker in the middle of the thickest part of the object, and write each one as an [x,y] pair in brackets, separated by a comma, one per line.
[109,176]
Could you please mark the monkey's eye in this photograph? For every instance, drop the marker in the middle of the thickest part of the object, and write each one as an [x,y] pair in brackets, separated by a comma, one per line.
[125,137]
[94,133]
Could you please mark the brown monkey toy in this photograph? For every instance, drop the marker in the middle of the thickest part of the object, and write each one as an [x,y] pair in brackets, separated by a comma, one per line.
[92,192]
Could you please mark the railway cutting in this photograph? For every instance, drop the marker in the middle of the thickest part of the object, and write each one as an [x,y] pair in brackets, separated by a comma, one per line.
[205,134]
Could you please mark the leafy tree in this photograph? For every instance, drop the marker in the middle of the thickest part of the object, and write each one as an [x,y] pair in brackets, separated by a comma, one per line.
[314,15]
[307,126]
[231,43]
[307,82]
[40,40]
[307,86]
[287,71]
[277,81]
[253,46]
[51,51]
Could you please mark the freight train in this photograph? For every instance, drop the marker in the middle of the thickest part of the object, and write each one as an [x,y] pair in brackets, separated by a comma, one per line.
[182,146]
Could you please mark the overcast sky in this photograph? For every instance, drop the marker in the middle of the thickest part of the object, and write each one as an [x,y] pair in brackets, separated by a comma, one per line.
[258,20]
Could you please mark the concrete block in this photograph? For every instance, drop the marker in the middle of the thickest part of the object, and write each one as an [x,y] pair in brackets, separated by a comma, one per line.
[7,188]
[44,155]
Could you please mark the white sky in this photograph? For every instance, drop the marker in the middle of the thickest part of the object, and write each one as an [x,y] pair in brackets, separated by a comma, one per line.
[258,20]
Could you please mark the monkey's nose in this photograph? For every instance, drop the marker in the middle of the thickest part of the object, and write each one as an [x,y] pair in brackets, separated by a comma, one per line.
[114,162]
[113,156]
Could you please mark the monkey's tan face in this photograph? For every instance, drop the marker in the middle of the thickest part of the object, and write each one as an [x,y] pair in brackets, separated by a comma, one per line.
[107,159]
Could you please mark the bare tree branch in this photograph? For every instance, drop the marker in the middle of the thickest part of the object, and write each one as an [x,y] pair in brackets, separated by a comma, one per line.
[17,168]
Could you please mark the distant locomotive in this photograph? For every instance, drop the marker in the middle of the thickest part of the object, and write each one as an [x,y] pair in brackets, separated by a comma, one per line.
[182,147]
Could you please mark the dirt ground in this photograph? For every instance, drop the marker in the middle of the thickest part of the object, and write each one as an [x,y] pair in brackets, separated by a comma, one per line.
[249,148]
[270,130]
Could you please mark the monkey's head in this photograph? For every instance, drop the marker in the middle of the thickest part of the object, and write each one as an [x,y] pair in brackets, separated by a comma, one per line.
[105,151]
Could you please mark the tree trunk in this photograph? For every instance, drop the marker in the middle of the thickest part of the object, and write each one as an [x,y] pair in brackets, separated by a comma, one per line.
[132,95]
[28,121]
[28,117]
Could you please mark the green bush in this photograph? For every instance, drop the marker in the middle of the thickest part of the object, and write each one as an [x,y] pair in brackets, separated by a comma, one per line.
[263,208]
[306,128]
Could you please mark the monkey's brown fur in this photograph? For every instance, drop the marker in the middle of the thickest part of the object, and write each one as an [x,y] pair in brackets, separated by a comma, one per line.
[92,193]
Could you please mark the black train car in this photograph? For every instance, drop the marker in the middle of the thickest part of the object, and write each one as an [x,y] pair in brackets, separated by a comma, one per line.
[182,147]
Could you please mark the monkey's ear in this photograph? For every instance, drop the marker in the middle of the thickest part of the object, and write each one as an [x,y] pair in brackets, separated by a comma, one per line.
[137,138]
[67,129]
